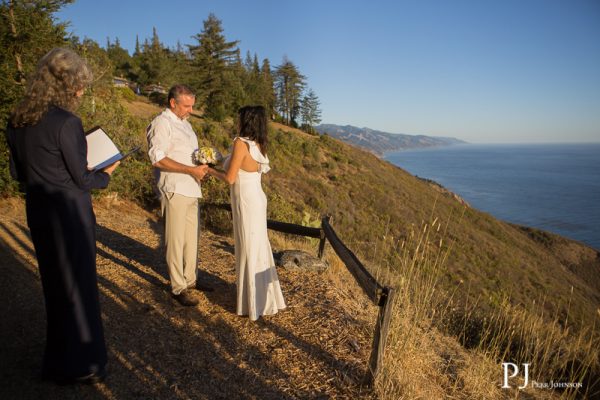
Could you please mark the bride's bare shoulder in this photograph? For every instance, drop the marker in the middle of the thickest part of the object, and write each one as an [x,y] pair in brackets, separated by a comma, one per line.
[241,145]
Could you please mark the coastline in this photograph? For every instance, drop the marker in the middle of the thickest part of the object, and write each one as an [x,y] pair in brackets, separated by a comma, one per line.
[550,187]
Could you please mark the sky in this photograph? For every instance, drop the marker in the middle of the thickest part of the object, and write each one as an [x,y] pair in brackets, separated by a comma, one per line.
[511,71]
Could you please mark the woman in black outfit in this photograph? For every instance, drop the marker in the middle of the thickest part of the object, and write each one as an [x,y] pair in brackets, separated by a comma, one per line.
[49,157]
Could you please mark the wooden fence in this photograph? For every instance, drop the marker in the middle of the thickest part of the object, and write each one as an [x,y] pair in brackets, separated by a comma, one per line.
[382,296]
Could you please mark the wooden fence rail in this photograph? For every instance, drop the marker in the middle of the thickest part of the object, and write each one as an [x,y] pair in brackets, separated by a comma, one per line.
[382,296]
[369,285]
[284,227]
[294,229]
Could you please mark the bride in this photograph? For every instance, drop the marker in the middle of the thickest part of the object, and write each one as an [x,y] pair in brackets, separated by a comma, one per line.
[258,290]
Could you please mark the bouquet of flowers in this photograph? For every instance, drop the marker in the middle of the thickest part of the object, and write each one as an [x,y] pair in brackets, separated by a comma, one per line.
[207,155]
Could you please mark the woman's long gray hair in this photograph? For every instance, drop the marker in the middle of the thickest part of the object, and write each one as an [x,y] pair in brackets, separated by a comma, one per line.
[59,75]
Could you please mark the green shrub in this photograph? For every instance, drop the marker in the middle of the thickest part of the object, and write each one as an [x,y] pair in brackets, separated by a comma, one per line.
[281,210]
[126,93]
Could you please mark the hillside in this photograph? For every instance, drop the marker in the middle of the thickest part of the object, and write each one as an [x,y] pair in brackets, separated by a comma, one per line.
[461,275]
[317,348]
[376,207]
[380,142]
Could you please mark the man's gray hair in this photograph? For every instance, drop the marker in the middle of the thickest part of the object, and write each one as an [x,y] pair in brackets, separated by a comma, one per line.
[179,90]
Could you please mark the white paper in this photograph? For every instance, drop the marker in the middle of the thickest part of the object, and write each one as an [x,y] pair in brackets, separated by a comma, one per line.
[101,150]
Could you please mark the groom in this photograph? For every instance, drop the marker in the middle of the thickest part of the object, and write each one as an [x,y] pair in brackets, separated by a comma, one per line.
[171,142]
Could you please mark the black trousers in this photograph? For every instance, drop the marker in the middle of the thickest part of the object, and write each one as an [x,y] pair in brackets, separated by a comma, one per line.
[62,226]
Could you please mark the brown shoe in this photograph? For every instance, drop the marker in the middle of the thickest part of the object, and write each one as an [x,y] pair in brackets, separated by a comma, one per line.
[185,298]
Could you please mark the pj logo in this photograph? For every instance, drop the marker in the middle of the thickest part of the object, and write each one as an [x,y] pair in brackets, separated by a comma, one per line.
[514,368]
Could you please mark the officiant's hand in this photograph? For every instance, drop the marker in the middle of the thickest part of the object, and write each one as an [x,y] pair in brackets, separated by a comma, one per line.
[110,169]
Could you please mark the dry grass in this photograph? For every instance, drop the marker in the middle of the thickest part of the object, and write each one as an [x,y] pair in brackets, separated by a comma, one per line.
[427,360]
[142,108]
[423,361]
[317,348]
[556,353]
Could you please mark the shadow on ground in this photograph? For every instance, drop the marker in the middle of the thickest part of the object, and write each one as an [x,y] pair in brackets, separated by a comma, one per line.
[157,349]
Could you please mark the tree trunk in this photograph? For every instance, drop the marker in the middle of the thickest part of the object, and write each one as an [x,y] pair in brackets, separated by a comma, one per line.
[20,78]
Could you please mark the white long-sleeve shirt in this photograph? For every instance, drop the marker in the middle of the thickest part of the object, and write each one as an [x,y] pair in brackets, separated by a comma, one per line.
[173,137]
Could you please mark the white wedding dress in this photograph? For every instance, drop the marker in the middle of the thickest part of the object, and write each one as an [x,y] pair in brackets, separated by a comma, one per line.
[258,290]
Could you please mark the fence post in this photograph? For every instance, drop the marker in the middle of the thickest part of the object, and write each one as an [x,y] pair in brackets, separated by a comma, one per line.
[323,238]
[382,326]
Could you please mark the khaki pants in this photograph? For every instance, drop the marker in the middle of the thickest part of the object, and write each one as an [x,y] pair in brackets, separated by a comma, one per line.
[180,215]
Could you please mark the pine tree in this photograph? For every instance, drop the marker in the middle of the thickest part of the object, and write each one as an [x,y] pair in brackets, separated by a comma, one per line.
[255,66]
[181,68]
[289,84]
[213,60]
[155,62]
[267,89]
[121,60]
[236,77]
[310,111]
[248,62]
[253,82]
[27,32]
[137,46]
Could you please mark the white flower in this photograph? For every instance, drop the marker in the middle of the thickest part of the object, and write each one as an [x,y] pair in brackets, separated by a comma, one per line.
[206,155]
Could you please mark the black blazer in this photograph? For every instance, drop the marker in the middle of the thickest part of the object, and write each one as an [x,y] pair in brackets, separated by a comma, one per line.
[51,155]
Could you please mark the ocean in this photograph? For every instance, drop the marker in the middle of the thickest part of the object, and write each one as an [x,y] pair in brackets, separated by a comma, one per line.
[554,187]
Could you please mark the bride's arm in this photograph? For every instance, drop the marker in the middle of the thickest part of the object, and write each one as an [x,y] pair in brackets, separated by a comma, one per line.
[240,151]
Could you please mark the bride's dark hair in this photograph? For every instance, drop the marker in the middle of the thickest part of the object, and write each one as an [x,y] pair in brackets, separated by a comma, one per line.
[253,125]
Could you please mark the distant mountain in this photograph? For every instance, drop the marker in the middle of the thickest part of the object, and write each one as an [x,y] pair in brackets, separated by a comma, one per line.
[382,142]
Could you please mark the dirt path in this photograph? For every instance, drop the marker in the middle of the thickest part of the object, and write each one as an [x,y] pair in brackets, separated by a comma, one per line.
[317,348]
